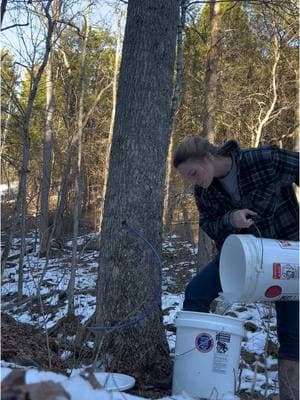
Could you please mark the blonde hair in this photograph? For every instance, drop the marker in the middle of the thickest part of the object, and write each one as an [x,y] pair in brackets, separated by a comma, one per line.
[193,148]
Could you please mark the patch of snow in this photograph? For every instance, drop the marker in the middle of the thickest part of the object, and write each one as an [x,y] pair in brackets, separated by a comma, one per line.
[65,355]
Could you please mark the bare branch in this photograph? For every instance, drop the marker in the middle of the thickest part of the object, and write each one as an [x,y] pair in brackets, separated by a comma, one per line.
[3,9]
[98,98]
[13,26]
[62,21]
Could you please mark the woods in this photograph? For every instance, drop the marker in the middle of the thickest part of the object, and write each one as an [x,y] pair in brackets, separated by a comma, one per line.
[90,113]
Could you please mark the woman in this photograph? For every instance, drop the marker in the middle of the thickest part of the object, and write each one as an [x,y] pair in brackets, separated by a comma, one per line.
[234,187]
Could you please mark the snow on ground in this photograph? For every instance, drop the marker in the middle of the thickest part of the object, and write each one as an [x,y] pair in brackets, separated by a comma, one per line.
[258,368]
[76,385]
[80,389]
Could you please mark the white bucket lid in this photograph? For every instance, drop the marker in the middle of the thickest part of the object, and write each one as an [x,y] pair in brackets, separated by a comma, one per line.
[115,381]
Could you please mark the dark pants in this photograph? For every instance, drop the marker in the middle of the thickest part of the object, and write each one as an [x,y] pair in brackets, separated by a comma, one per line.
[205,287]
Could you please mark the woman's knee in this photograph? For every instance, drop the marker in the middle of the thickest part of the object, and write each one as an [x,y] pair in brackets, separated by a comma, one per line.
[288,329]
[202,289]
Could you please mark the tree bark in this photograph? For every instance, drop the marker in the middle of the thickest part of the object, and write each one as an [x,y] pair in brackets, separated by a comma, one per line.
[211,74]
[128,286]
[48,135]
[47,157]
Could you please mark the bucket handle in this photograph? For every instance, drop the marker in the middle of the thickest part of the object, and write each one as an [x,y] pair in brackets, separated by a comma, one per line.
[185,352]
[259,268]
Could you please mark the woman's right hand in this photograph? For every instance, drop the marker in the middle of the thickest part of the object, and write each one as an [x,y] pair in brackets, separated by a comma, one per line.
[242,218]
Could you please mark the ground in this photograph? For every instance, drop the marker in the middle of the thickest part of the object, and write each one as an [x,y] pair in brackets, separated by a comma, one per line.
[25,342]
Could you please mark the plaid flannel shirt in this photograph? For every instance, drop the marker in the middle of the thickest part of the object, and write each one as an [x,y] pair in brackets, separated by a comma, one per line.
[265,176]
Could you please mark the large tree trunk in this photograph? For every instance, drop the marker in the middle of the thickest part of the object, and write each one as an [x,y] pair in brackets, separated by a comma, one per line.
[128,287]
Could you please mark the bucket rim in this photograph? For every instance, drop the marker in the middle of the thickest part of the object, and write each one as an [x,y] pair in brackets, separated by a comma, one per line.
[231,325]
[205,314]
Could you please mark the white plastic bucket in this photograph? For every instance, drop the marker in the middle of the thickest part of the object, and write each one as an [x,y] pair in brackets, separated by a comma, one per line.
[255,269]
[113,381]
[207,355]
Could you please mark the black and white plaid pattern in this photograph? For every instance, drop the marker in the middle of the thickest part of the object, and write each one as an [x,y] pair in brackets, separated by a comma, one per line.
[265,176]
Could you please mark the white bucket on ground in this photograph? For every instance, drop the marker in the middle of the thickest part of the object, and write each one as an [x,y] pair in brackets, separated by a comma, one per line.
[207,355]
[256,269]
[113,381]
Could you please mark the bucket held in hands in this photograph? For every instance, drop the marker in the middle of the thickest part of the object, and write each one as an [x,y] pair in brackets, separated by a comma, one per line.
[256,269]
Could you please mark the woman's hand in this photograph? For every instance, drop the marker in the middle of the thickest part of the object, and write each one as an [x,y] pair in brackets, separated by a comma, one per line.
[242,218]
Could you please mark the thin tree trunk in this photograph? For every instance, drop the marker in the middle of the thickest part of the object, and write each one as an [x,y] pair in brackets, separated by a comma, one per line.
[3,10]
[210,101]
[63,196]
[47,157]
[113,113]
[264,120]
[78,177]
[23,202]
[175,105]
[48,138]
[64,186]
[211,74]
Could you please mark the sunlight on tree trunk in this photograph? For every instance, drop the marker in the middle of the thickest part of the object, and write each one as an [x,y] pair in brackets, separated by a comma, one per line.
[211,73]
[47,158]
[262,121]
[78,177]
[175,105]
[205,245]
[113,113]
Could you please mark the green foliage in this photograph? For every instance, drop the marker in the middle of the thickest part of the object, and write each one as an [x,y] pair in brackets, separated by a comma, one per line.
[37,121]
[10,114]
[244,92]
[99,72]
[9,77]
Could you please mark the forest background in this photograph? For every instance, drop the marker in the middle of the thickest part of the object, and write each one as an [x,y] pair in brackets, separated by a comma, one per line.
[89,114]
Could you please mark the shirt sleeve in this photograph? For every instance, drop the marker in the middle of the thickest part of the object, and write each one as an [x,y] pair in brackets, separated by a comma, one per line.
[216,228]
[286,165]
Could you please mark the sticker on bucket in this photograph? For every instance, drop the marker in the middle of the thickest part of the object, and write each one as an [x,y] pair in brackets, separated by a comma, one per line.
[284,244]
[220,360]
[289,297]
[285,271]
[273,291]
[204,342]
